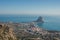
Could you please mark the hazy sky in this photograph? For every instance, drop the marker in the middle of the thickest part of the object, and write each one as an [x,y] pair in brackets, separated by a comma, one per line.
[48,7]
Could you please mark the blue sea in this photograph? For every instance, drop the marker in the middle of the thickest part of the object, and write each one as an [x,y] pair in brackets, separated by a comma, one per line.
[50,22]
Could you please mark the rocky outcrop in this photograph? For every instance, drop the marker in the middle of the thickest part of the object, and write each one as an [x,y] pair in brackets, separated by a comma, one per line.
[6,33]
[40,19]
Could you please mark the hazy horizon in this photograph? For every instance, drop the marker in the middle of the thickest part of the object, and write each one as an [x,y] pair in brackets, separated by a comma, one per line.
[30,7]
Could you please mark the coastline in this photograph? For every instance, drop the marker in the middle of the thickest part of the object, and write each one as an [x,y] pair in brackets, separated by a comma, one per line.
[27,30]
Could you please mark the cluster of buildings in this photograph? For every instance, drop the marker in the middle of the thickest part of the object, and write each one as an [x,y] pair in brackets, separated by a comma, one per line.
[28,31]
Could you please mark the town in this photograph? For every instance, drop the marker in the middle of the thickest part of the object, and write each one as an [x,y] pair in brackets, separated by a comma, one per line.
[26,31]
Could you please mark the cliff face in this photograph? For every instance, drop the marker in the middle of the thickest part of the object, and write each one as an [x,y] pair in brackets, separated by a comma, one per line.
[40,19]
[6,33]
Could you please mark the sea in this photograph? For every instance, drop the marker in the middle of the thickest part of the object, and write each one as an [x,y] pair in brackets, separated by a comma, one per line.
[50,22]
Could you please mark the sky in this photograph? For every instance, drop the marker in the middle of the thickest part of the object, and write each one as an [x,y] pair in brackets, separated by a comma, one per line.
[35,7]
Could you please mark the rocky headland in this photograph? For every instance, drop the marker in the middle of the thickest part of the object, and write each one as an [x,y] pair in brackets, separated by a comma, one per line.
[40,19]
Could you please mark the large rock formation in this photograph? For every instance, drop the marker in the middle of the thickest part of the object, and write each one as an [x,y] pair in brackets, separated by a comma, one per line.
[6,33]
[40,19]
